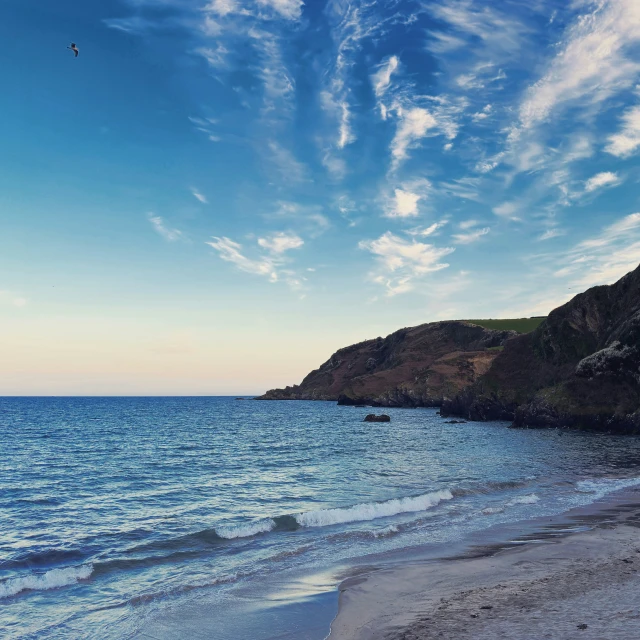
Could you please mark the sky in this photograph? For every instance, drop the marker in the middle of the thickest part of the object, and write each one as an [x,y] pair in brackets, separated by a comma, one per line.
[215,196]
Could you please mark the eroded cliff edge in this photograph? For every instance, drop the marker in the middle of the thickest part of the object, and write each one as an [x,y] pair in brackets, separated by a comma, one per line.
[580,368]
[417,366]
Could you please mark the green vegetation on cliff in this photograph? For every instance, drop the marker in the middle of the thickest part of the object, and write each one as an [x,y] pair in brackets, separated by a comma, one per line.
[519,325]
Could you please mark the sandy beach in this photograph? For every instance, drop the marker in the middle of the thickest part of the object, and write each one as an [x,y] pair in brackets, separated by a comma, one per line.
[579,585]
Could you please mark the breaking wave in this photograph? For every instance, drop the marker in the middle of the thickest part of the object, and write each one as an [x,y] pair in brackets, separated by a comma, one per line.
[246,530]
[603,486]
[372,510]
[53,579]
[531,498]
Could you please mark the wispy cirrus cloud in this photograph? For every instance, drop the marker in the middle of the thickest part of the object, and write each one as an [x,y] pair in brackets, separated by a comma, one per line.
[498,33]
[381,79]
[627,141]
[401,261]
[606,257]
[413,125]
[470,234]
[594,62]
[269,263]
[159,226]
[198,196]
[600,180]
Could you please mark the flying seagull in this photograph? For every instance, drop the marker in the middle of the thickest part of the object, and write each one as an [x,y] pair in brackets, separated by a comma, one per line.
[74,49]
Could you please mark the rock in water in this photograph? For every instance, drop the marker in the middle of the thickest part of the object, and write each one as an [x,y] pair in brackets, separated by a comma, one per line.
[372,417]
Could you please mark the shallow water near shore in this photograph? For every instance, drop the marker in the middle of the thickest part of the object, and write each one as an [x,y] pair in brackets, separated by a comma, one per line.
[211,517]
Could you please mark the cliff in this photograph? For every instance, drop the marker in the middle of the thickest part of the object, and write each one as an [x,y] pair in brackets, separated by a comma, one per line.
[580,368]
[416,366]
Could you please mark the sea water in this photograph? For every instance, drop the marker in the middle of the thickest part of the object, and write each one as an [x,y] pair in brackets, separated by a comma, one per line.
[119,513]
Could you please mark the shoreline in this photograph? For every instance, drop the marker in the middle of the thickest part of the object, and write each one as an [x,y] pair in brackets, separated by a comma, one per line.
[578,568]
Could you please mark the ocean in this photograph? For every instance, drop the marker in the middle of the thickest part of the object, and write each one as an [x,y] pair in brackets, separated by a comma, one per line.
[222,518]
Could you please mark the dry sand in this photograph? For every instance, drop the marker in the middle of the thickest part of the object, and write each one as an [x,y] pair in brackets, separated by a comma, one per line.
[580,586]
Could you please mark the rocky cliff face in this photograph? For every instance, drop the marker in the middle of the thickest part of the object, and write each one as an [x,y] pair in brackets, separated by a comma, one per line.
[580,368]
[418,366]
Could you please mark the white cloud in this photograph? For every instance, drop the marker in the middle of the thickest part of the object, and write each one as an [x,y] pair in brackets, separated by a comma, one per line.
[427,231]
[405,204]
[471,236]
[550,233]
[346,135]
[168,234]
[402,261]
[482,115]
[500,34]
[468,224]
[604,179]
[594,62]
[280,242]
[414,125]
[215,57]
[440,42]
[198,196]
[289,9]
[381,79]
[627,141]
[506,209]
[270,265]
[222,7]
[230,251]
[604,258]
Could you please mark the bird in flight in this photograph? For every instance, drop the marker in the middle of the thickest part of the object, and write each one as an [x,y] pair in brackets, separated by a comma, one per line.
[74,49]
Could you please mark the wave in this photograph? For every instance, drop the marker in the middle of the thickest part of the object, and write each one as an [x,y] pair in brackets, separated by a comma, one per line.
[386,532]
[488,511]
[372,510]
[246,530]
[532,498]
[53,579]
[43,558]
[602,486]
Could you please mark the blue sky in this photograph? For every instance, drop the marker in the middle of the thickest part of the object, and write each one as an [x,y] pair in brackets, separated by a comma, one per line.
[215,196]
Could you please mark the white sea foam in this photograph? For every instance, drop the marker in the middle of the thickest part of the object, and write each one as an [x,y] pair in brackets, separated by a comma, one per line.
[372,510]
[531,498]
[53,579]
[603,486]
[246,530]
[491,510]
[385,531]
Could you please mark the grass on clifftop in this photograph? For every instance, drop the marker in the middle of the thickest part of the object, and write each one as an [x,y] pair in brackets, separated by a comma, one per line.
[521,325]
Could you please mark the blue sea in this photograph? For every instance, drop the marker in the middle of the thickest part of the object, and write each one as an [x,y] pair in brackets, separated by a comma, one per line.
[220,518]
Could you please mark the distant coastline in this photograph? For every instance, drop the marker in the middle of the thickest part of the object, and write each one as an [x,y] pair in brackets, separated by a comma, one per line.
[577,368]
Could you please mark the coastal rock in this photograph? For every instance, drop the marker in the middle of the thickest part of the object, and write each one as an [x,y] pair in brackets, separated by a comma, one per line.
[412,367]
[374,418]
[579,369]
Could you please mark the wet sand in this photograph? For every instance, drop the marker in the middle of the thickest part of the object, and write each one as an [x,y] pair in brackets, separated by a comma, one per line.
[574,585]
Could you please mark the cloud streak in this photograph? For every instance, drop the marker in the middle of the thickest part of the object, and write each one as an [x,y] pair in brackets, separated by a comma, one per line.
[159,226]
[401,261]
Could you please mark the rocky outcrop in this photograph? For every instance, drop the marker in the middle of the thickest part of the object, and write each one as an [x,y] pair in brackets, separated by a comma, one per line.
[580,368]
[372,417]
[413,367]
